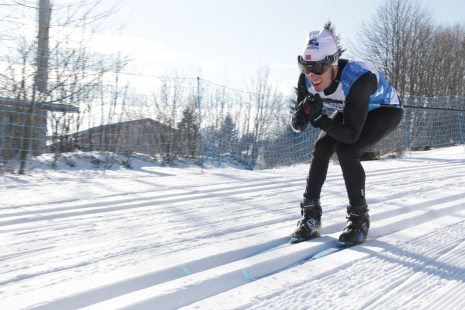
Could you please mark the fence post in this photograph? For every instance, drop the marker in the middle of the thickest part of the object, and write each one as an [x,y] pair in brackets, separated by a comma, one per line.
[460,122]
[405,136]
[200,122]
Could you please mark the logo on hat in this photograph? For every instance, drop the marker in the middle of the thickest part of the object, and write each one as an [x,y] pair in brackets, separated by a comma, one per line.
[308,57]
[313,44]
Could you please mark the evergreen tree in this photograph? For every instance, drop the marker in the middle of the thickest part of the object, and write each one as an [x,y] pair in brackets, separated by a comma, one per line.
[228,135]
[332,28]
[228,129]
[189,130]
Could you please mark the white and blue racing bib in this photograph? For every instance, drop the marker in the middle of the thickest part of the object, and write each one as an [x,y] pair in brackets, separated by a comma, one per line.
[385,93]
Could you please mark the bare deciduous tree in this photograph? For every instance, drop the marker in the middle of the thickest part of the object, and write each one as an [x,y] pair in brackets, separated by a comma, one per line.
[416,55]
[391,36]
[76,73]
[262,116]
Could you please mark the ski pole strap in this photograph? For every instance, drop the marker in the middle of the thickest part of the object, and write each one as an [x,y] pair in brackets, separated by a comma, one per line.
[398,106]
[411,107]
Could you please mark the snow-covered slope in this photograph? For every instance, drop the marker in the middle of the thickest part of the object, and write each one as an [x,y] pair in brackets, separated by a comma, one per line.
[130,239]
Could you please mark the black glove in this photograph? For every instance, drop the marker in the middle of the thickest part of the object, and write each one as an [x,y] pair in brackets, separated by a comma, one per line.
[311,106]
[321,120]
[299,121]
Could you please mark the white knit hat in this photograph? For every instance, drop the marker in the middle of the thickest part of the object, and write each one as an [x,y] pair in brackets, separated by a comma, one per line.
[318,45]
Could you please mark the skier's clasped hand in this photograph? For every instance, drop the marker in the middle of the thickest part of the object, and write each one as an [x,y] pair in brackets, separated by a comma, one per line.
[311,106]
[308,109]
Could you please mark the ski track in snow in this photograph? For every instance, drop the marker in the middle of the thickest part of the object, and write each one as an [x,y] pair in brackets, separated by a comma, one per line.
[411,275]
[120,240]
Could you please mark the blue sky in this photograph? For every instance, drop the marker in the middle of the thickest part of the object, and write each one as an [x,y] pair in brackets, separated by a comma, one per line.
[228,41]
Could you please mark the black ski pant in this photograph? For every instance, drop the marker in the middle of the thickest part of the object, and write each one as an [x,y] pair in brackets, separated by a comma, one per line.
[379,123]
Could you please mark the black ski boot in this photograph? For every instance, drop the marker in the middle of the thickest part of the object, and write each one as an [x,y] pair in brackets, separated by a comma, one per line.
[358,224]
[309,226]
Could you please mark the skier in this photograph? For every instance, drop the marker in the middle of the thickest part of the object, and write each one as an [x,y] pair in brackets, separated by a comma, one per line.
[355,127]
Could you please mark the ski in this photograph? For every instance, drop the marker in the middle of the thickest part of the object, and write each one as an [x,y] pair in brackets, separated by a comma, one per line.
[187,270]
[341,246]
[323,253]
[331,250]
[281,246]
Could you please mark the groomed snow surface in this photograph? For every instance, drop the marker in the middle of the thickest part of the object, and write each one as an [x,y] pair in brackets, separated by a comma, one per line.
[171,238]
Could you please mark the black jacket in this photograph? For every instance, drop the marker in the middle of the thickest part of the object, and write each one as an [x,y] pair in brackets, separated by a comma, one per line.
[356,105]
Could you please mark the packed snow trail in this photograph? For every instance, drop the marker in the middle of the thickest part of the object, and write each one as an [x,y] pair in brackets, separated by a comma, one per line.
[399,271]
[182,292]
[97,239]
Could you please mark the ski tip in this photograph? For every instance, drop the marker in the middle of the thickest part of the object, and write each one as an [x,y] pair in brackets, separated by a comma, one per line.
[187,270]
[345,245]
[295,240]
[298,239]
[248,276]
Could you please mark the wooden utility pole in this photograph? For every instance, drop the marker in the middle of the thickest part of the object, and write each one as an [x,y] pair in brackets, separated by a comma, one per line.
[40,115]
[35,133]
[42,49]
[45,11]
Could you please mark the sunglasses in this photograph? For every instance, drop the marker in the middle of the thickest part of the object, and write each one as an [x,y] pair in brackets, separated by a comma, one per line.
[317,67]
